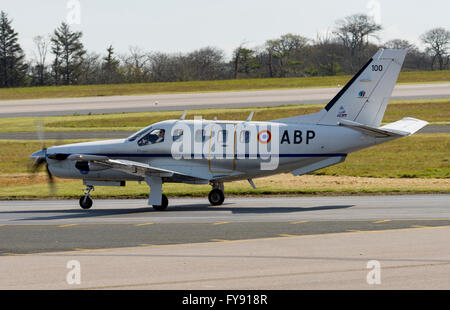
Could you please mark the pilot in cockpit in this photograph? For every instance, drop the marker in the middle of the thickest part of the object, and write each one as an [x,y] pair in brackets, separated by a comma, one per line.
[160,136]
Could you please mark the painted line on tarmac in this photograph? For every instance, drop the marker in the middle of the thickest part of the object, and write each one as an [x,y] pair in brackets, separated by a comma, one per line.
[79,251]
[68,225]
[420,226]
[220,223]
[299,222]
[382,221]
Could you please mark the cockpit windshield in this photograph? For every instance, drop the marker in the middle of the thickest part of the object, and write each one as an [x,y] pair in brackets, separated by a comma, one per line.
[139,133]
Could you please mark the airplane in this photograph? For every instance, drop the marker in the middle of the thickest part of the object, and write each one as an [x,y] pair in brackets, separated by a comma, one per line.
[214,152]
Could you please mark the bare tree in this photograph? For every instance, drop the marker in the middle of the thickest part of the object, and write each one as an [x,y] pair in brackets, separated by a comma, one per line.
[415,59]
[136,65]
[166,67]
[207,63]
[285,50]
[354,32]
[42,44]
[438,41]
[91,69]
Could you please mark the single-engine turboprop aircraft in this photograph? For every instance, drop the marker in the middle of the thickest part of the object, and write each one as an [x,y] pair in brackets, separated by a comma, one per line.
[214,152]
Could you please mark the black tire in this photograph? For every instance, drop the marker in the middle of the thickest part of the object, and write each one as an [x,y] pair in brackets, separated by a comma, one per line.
[164,204]
[85,202]
[216,197]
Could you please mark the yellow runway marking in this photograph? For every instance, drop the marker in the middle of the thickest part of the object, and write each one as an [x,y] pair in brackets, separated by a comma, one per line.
[68,225]
[382,221]
[420,226]
[144,224]
[299,222]
[286,235]
[353,230]
[156,246]
[220,223]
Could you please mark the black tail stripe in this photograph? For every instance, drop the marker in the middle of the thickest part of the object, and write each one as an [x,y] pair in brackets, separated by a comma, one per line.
[343,90]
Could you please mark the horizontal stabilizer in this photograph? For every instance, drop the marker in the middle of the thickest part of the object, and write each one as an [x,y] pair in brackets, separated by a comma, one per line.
[404,127]
[407,124]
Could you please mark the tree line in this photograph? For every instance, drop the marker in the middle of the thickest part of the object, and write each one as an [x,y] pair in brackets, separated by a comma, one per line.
[61,58]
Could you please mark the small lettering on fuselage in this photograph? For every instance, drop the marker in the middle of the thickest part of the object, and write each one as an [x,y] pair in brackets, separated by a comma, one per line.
[297,137]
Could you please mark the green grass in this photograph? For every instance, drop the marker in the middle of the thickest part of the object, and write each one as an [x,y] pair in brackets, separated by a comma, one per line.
[417,156]
[134,190]
[435,111]
[203,86]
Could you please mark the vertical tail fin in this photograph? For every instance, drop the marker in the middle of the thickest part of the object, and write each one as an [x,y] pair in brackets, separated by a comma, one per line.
[365,97]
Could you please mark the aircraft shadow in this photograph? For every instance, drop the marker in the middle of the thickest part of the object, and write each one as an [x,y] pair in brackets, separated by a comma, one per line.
[249,210]
[93,213]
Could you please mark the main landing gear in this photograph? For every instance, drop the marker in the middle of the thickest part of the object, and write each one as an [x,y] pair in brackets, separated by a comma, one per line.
[86,201]
[216,196]
[164,204]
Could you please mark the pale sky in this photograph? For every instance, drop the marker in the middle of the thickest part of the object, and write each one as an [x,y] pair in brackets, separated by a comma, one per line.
[185,25]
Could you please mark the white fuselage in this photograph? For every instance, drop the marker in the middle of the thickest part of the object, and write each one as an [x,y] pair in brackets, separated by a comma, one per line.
[251,149]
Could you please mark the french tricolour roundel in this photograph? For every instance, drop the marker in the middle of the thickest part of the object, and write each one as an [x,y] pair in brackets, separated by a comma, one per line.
[264,136]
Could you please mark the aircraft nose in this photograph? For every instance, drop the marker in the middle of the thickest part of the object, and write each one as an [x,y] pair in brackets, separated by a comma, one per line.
[40,153]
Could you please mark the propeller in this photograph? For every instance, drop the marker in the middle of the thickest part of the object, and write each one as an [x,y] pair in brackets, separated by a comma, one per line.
[40,157]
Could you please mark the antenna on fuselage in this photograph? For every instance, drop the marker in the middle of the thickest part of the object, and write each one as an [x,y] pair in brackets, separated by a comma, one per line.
[184,115]
[249,118]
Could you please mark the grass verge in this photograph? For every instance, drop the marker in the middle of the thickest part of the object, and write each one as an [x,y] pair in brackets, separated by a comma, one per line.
[284,184]
[203,86]
[435,111]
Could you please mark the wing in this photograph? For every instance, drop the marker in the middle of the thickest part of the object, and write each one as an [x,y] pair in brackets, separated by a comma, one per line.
[133,167]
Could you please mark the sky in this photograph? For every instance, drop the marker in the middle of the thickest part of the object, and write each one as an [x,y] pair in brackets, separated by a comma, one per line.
[185,25]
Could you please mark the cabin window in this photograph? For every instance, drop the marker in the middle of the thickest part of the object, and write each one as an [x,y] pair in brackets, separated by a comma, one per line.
[222,136]
[245,136]
[200,135]
[177,134]
[155,136]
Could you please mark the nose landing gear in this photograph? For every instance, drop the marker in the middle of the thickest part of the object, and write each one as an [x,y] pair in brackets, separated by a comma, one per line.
[86,201]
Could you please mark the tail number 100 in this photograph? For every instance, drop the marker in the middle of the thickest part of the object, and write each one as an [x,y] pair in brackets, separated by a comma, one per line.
[377,67]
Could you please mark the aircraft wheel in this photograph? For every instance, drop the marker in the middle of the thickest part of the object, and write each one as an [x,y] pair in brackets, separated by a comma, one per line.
[85,202]
[164,204]
[216,197]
